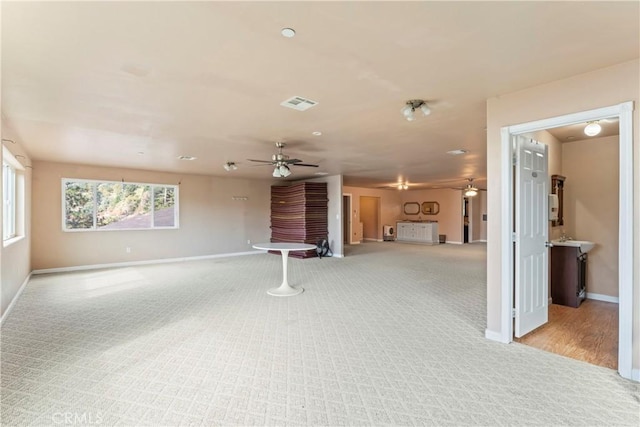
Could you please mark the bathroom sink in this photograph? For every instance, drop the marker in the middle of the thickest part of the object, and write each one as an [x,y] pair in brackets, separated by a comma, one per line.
[584,245]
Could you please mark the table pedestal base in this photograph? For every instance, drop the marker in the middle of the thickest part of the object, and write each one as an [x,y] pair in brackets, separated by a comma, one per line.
[285,291]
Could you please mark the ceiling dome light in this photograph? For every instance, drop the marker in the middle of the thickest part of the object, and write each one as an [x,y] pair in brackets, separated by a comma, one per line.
[288,32]
[276,172]
[592,129]
[408,111]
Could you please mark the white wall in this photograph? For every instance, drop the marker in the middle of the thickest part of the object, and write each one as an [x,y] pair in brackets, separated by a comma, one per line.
[334,193]
[591,206]
[450,220]
[210,221]
[390,208]
[15,258]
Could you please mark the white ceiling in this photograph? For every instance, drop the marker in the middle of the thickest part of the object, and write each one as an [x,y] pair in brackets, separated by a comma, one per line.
[98,83]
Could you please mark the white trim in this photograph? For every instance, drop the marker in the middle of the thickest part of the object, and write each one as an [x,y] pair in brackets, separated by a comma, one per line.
[453,242]
[494,336]
[369,239]
[625,241]
[12,240]
[624,111]
[506,237]
[600,297]
[635,374]
[357,242]
[338,256]
[146,262]
[15,299]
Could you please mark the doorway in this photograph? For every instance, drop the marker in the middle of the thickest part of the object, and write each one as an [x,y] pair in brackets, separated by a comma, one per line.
[625,210]
[466,215]
[370,217]
[346,219]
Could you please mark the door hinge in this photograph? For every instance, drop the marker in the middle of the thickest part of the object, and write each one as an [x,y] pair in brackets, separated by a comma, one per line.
[514,237]
[513,313]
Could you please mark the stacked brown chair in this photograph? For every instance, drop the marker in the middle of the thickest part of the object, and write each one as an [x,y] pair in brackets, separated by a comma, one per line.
[299,214]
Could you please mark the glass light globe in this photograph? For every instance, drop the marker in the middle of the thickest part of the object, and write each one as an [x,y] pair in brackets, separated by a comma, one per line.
[592,129]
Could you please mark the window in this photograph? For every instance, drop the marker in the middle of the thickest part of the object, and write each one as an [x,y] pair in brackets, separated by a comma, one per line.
[112,205]
[8,201]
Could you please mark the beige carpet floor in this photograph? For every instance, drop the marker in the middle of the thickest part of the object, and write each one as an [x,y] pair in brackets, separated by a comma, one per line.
[392,334]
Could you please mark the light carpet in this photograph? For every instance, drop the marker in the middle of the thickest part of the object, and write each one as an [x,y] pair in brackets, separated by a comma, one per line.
[392,334]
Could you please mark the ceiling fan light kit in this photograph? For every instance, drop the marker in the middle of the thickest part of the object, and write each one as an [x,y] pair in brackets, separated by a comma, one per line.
[470,190]
[408,111]
[230,166]
[281,171]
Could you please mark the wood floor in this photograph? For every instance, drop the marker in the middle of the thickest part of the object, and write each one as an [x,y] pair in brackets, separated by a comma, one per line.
[588,333]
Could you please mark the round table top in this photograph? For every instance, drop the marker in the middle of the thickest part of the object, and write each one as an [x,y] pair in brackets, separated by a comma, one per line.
[280,246]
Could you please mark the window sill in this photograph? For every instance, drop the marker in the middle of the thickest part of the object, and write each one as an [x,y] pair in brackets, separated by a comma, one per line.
[11,241]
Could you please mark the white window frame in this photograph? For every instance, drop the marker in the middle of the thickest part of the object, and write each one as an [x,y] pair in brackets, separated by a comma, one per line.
[94,228]
[13,199]
[9,200]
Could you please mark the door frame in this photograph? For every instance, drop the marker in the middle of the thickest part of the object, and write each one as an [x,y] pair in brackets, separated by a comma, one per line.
[624,112]
[350,218]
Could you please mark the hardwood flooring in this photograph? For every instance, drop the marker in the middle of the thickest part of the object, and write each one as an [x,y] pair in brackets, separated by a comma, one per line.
[588,333]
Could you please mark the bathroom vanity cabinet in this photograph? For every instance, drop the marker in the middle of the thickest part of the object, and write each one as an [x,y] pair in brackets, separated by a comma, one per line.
[568,275]
[417,232]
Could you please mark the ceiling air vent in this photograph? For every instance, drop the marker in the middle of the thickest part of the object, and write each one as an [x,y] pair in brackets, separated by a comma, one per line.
[299,103]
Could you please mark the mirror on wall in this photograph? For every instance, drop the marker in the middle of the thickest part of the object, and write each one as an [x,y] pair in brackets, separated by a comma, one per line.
[557,187]
[411,208]
[430,208]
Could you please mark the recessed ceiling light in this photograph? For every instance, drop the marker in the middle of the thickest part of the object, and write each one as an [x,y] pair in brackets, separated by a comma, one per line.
[288,32]
[457,152]
[316,133]
[187,157]
[322,173]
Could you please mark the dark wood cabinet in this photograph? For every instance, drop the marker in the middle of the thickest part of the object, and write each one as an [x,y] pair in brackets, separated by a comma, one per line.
[568,275]
[557,188]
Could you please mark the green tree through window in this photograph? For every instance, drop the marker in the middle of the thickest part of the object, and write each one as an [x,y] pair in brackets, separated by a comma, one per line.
[93,205]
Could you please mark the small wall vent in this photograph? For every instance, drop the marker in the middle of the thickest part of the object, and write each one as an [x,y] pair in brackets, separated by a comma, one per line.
[299,103]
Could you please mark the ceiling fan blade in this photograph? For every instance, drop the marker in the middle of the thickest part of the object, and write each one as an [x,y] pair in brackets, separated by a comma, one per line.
[305,164]
[262,161]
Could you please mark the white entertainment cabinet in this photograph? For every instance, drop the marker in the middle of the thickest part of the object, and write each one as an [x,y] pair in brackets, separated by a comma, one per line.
[417,232]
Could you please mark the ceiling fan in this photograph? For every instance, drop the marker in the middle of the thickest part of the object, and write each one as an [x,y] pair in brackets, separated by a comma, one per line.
[282,162]
[470,190]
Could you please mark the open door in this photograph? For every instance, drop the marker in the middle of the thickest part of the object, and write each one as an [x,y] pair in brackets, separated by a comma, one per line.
[532,233]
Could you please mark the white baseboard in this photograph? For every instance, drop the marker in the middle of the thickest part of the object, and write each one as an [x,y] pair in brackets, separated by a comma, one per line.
[479,241]
[494,336]
[372,240]
[146,262]
[635,375]
[15,298]
[454,243]
[355,243]
[600,297]
[338,255]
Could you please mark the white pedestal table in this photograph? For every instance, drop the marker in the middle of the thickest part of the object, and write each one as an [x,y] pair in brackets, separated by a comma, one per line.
[285,290]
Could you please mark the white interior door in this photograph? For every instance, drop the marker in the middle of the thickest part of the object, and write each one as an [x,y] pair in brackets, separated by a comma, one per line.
[531,236]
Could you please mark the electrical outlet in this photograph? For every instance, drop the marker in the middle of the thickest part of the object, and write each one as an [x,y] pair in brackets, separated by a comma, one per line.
[248,242]
[128,250]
